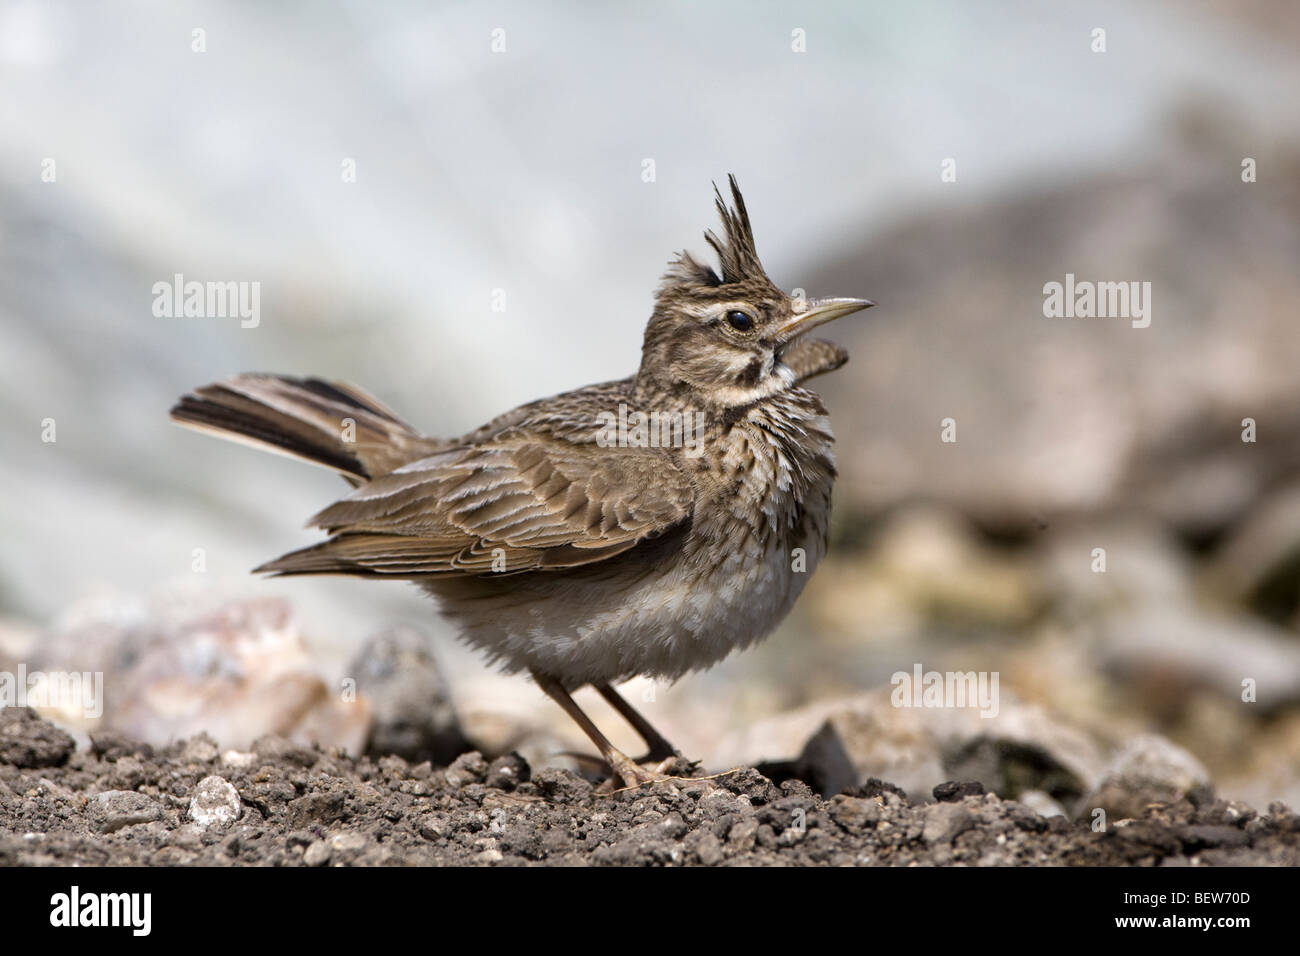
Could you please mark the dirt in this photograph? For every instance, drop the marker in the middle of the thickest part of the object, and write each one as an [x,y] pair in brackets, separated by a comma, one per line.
[122,803]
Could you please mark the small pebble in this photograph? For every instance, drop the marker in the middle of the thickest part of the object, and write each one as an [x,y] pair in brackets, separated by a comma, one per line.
[215,803]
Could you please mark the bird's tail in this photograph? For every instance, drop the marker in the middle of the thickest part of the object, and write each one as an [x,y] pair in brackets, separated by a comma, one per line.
[327,423]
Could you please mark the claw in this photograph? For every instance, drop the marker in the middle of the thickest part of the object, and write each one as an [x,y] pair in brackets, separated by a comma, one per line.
[631,774]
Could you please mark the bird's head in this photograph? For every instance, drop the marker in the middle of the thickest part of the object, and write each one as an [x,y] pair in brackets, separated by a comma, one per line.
[721,335]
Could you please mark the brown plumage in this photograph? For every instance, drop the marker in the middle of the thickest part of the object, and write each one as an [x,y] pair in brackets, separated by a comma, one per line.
[563,545]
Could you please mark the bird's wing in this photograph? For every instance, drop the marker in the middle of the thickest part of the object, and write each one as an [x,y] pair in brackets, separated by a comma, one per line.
[520,502]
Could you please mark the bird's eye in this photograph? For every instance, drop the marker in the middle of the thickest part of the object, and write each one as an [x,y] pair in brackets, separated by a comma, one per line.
[740,321]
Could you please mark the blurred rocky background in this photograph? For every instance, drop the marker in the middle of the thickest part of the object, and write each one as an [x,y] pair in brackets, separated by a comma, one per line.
[126,542]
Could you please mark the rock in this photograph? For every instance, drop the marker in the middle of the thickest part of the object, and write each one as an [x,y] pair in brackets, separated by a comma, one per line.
[27,741]
[128,773]
[215,803]
[1009,766]
[952,791]
[274,748]
[317,808]
[235,670]
[411,707]
[875,787]
[507,772]
[719,803]
[854,813]
[1144,563]
[740,839]
[750,785]
[707,848]
[945,821]
[1041,803]
[347,846]
[111,746]
[560,785]
[1270,768]
[200,749]
[1148,770]
[1022,747]
[824,765]
[1206,836]
[1168,650]
[877,739]
[1077,422]
[496,726]
[1255,564]
[317,854]
[466,769]
[926,568]
[238,758]
[112,810]
[434,826]
[186,837]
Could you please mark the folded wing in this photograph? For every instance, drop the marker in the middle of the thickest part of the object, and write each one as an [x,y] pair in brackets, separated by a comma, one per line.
[519,502]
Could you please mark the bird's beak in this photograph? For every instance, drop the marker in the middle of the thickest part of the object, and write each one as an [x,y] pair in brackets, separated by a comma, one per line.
[818,311]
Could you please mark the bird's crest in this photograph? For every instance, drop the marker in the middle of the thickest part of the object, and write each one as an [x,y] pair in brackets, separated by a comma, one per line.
[737,256]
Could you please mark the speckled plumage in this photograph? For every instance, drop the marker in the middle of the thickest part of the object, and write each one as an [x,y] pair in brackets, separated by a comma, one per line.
[558,552]
[712,574]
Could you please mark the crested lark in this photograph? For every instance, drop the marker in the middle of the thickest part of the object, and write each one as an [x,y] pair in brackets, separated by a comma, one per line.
[651,525]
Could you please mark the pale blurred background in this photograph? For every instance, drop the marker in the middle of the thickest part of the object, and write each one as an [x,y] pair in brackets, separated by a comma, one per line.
[523,170]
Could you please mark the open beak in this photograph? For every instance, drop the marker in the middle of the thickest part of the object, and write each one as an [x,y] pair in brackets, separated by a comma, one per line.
[819,311]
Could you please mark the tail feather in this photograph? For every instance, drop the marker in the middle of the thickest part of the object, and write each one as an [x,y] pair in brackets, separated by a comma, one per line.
[331,424]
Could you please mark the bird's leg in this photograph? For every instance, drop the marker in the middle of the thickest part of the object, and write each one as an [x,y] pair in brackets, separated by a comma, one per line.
[623,766]
[660,748]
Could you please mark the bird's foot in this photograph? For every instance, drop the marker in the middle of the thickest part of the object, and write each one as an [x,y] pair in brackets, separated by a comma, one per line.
[628,774]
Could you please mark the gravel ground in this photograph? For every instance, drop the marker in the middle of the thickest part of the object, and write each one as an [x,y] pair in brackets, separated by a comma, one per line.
[120,803]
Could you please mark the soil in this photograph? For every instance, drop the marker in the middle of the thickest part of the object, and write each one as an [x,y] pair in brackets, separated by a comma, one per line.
[122,803]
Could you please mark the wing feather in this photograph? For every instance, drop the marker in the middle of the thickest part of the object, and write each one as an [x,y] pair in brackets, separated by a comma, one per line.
[535,501]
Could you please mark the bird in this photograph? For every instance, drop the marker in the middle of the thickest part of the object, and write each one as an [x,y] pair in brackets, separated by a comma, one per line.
[648,526]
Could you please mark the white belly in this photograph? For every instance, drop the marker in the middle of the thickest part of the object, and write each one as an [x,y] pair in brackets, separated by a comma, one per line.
[660,625]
